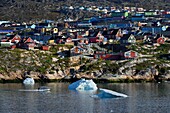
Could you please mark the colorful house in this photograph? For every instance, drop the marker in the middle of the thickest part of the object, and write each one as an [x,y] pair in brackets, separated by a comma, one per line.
[107,56]
[137,18]
[10,41]
[159,39]
[27,43]
[152,29]
[16,39]
[130,54]
[52,40]
[120,14]
[77,50]
[128,39]
[121,25]
[150,13]
[45,47]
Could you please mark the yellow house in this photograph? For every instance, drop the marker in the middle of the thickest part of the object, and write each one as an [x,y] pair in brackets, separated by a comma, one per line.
[51,40]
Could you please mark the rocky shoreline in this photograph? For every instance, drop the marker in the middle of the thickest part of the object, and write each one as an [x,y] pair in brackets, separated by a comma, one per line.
[19,77]
[43,66]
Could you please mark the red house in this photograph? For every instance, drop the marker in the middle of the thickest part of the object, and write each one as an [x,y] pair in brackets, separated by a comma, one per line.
[27,43]
[16,39]
[45,47]
[12,39]
[106,56]
[13,46]
[160,40]
[130,54]
[93,40]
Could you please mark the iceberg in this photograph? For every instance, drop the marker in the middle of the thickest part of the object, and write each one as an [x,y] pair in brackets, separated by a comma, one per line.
[106,93]
[83,85]
[29,81]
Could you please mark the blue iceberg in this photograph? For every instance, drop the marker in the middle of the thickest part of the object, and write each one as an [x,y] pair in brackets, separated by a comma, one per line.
[105,93]
[29,81]
[83,85]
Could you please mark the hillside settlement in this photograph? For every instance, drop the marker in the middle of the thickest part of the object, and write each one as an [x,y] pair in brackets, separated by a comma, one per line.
[128,44]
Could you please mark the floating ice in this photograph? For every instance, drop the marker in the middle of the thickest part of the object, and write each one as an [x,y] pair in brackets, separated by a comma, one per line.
[83,85]
[42,88]
[105,93]
[29,81]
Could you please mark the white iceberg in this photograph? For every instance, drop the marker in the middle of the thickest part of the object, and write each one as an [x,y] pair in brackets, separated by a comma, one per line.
[83,85]
[105,93]
[29,81]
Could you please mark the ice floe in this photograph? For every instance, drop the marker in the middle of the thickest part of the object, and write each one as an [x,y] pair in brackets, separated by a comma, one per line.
[42,88]
[29,81]
[83,85]
[106,93]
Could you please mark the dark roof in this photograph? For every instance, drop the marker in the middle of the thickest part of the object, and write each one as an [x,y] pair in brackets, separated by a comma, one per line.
[125,37]
[166,33]
[113,31]
[105,32]
[168,29]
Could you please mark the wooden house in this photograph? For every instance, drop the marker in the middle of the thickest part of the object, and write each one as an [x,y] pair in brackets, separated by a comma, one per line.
[77,50]
[6,30]
[128,39]
[27,43]
[130,54]
[11,40]
[154,39]
[52,40]
[107,56]
[68,41]
[166,32]
[45,47]
[16,39]
[114,33]
[159,39]
[120,25]
[96,37]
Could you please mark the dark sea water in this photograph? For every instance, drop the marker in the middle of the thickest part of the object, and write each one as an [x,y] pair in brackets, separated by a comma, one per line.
[143,98]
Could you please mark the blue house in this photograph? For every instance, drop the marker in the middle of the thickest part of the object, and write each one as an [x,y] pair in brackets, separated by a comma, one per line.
[153,29]
[167,15]
[94,20]
[120,25]
[140,14]
[6,30]
[137,18]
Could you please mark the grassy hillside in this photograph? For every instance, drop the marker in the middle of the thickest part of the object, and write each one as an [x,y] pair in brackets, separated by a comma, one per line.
[26,10]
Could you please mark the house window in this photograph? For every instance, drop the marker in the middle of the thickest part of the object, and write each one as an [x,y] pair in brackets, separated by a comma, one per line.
[127,54]
[96,56]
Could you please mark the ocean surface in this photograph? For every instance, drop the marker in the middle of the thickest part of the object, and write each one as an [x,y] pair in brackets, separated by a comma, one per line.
[142,98]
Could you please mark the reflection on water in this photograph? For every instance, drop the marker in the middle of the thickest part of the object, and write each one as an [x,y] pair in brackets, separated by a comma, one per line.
[142,98]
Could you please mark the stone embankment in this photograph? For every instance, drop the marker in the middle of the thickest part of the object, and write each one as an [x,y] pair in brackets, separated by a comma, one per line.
[148,75]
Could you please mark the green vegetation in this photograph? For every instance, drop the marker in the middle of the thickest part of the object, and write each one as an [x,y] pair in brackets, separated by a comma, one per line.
[43,62]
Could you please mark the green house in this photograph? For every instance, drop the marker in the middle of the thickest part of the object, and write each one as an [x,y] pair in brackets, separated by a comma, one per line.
[150,13]
[120,14]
